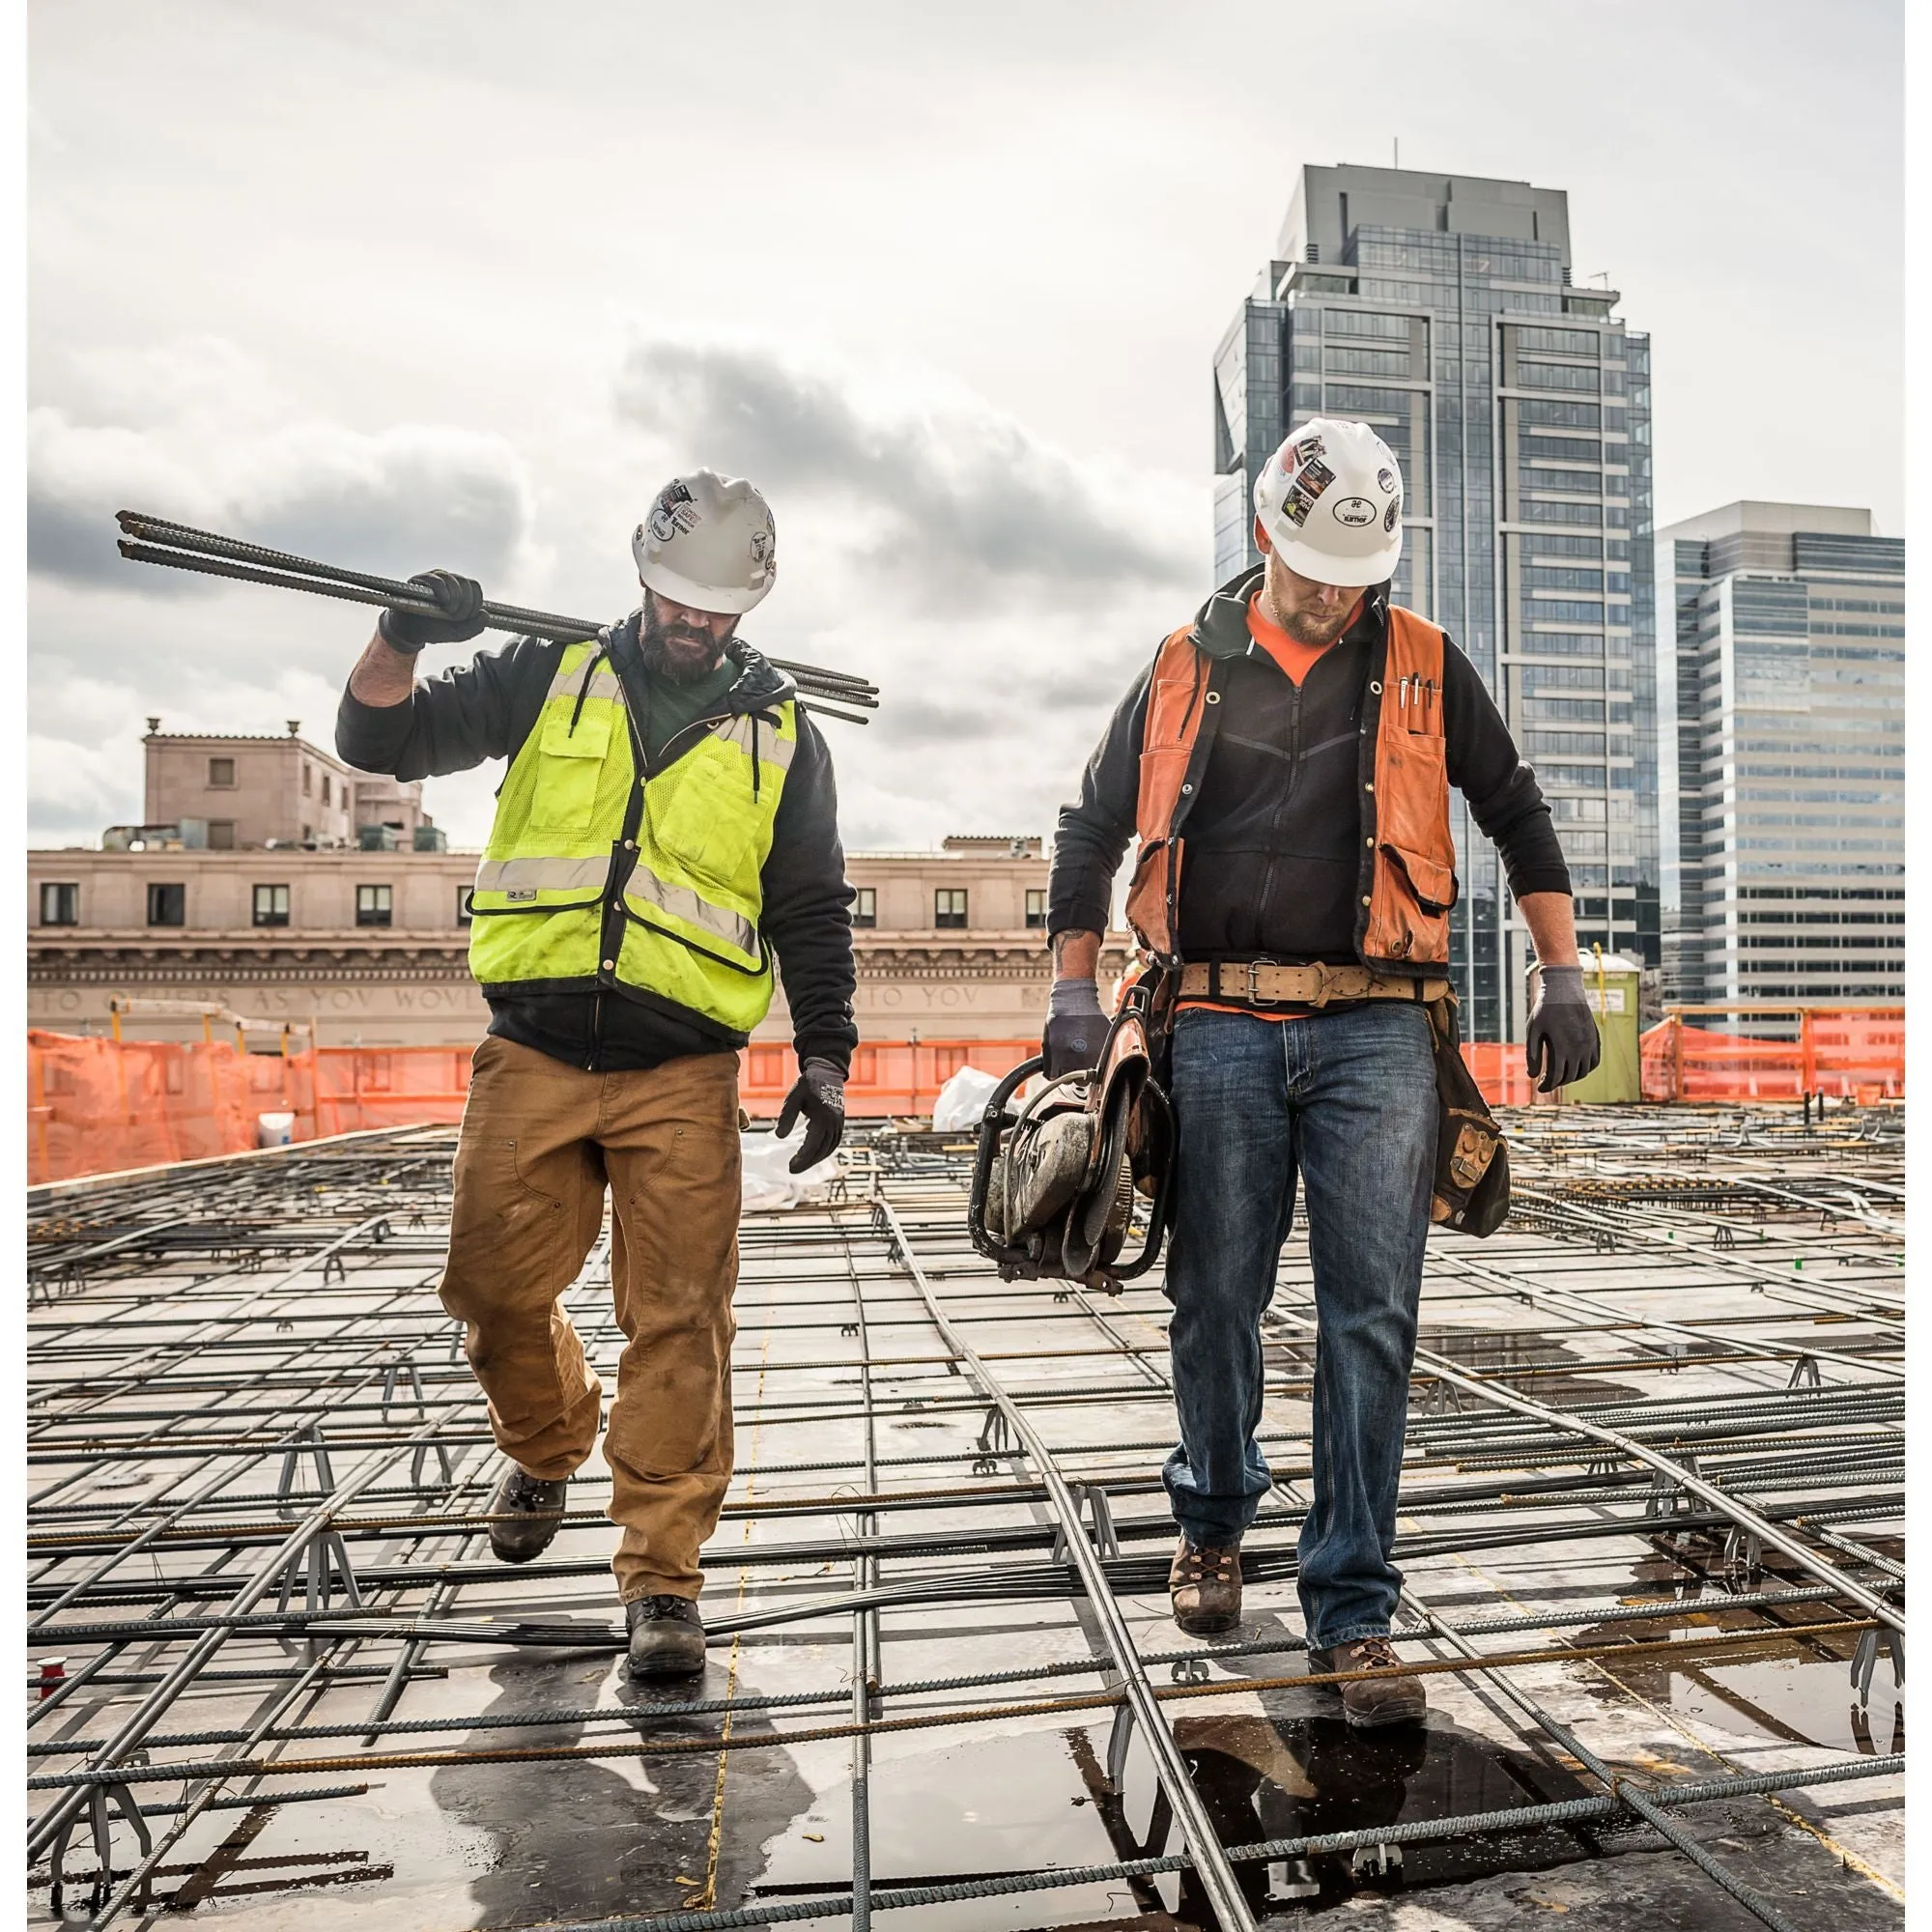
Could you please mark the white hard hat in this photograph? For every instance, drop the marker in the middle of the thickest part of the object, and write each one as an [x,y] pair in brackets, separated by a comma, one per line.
[708,543]
[1330,500]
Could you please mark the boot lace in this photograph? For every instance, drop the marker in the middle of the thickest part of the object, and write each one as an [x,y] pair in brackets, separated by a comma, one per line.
[679,1607]
[1202,1563]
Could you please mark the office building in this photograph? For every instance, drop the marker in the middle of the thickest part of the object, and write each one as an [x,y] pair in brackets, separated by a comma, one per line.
[1444,310]
[1784,820]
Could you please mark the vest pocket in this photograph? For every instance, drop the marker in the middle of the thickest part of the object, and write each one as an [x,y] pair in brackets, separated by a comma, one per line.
[1433,886]
[568,765]
[704,818]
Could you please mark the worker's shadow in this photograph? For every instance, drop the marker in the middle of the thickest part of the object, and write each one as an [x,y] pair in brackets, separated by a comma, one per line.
[579,1838]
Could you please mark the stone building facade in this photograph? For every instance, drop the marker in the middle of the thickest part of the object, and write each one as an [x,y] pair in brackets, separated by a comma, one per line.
[370,946]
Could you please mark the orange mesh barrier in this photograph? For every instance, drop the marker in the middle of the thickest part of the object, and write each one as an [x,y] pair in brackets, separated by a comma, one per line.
[95,1104]
[1852,1053]
[889,1076]
[358,1087]
[1500,1072]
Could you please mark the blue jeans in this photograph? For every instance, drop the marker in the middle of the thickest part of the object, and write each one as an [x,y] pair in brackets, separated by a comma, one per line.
[1348,1100]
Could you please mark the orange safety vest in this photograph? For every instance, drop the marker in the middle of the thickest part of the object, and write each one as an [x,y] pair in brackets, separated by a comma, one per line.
[1408,871]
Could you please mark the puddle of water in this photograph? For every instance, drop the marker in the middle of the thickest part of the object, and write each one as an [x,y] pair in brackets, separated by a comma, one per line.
[1013,1802]
[1802,1695]
[1294,1776]
[1020,1801]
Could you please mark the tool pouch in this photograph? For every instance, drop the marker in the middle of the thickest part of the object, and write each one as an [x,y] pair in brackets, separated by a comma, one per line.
[1472,1189]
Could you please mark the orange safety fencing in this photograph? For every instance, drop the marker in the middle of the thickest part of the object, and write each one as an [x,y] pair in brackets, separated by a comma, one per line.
[889,1076]
[98,1105]
[95,1106]
[1501,1072]
[1854,1053]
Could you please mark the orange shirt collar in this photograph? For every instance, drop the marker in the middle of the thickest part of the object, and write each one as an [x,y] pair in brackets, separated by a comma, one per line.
[1293,658]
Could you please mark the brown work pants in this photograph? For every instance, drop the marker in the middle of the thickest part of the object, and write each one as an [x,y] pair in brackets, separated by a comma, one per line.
[540,1140]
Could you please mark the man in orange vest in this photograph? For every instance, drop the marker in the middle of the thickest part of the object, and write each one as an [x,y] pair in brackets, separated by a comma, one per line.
[1286,763]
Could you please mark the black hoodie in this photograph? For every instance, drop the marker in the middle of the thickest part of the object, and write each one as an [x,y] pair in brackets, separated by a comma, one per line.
[487,708]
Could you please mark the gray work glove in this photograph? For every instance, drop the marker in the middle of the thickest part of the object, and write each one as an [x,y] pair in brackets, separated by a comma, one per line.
[819,1094]
[459,603]
[1562,1044]
[1076,1029]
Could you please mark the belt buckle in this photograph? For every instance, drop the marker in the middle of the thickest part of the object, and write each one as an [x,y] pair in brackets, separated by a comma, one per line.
[1255,998]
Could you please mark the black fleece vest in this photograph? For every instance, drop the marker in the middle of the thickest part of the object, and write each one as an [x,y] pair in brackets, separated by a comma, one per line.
[1273,867]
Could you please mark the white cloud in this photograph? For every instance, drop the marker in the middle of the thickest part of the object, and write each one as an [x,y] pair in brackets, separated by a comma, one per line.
[926,491]
[196,432]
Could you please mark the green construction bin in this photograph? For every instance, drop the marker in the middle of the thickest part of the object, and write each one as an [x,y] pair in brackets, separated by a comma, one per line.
[1610,982]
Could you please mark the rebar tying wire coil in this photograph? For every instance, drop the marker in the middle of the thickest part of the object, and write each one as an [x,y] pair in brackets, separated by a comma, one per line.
[178,547]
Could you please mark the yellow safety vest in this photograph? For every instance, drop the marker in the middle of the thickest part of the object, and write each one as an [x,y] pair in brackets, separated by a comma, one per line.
[678,856]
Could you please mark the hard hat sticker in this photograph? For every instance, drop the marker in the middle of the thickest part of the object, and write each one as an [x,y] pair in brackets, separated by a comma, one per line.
[1356,512]
[1386,478]
[1314,476]
[1296,505]
[1389,515]
[1306,450]
[674,511]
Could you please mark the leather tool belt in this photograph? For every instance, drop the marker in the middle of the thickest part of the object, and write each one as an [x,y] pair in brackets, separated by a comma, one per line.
[1262,982]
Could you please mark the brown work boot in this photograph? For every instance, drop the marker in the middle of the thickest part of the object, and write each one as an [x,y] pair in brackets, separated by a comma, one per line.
[1205,1587]
[526,1510]
[665,1636]
[1373,1700]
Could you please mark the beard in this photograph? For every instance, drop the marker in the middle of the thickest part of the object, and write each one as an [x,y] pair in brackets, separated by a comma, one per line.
[678,651]
[1307,628]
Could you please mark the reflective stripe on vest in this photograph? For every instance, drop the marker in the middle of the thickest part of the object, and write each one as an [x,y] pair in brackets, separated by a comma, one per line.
[1412,880]
[691,901]
[645,889]
[533,875]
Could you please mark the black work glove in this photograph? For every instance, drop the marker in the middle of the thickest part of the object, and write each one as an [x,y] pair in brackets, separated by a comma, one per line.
[1562,1044]
[819,1094]
[1076,1029]
[460,602]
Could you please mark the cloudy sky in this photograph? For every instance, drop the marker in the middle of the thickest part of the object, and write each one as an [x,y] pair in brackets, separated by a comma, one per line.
[417,283]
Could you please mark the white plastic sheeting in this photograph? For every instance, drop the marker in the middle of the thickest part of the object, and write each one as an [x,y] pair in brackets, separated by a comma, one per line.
[962,1101]
[768,1181]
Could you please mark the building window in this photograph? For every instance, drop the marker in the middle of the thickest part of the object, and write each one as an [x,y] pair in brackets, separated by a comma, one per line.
[167,905]
[865,906]
[325,788]
[462,912]
[221,835]
[221,774]
[60,905]
[1036,907]
[373,904]
[272,905]
[949,906]
[309,781]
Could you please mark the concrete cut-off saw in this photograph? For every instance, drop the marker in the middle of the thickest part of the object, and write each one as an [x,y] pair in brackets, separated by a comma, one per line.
[1064,1180]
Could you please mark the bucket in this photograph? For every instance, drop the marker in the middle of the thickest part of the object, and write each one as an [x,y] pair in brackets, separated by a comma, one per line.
[274,1130]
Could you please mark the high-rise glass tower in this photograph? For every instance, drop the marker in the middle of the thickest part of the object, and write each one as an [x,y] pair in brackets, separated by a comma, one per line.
[1442,310]
[1784,802]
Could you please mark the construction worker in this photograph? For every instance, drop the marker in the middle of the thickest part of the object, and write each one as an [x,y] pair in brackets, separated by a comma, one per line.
[667,824]
[1286,761]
